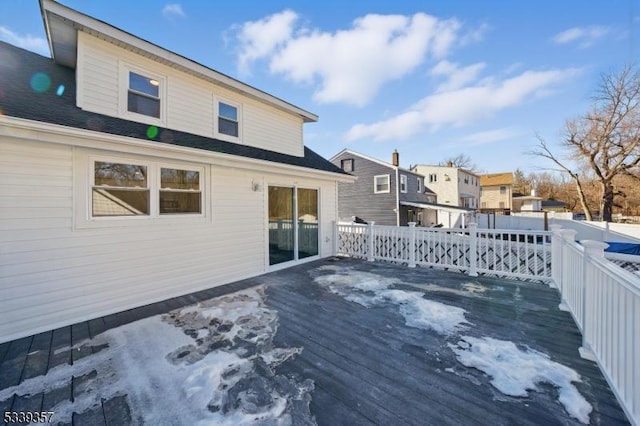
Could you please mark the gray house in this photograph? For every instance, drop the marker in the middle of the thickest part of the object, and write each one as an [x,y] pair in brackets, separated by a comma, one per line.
[384,193]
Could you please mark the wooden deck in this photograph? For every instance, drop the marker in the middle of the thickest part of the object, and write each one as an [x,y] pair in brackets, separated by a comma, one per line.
[366,364]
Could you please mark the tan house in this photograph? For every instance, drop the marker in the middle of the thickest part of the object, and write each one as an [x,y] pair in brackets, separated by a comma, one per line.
[496,191]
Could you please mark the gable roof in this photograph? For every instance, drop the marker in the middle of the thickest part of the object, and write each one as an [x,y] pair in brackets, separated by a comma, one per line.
[62,24]
[375,160]
[55,104]
[494,179]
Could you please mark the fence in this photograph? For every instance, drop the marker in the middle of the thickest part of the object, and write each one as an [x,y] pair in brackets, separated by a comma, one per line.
[603,298]
[501,252]
[604,301]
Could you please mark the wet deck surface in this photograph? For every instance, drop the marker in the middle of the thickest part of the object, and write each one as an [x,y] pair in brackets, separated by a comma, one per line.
[356,364]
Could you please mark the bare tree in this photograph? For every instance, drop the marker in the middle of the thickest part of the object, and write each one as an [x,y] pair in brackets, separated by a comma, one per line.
[462,161]
[606,141]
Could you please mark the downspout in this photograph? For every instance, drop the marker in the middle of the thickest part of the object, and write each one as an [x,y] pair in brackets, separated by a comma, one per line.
[397,199]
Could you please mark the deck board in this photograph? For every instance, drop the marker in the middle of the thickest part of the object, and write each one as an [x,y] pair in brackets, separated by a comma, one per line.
[366,364]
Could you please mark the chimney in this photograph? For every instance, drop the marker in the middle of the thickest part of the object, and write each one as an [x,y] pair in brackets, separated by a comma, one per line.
[449,163]
[395,158]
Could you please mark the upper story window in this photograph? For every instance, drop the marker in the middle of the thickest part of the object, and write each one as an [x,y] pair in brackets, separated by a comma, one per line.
[143,95]
[503,189]
[419,185]
[433,178]
[347,164]
[228,119]
[381,184]
[403,183]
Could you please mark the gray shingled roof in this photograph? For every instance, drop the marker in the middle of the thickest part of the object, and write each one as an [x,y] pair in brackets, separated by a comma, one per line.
[18,99]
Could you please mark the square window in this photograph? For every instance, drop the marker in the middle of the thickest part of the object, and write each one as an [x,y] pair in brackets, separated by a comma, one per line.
[228,119]
[120,190]
[347,164]
[143,96]
[179,191]
[381,184]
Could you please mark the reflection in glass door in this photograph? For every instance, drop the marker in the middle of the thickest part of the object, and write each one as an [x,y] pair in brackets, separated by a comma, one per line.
[307,223]
[293,224]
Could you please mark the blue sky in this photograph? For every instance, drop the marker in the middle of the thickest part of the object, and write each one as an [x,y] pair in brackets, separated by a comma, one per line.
[432,79]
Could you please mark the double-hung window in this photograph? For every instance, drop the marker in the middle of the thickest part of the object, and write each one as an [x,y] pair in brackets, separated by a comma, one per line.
[228,119]
[180,191]
[120,189]
[143,95]
[381,184]
[403,184]
[419,185]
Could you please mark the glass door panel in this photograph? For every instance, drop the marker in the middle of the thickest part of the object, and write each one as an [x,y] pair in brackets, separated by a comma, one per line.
[281,225]
[307,223]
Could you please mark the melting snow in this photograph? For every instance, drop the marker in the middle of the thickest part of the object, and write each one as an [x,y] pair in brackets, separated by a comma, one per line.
[514,371]
[368,289]
[206,364]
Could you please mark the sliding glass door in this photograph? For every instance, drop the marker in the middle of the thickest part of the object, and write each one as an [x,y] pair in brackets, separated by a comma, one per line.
[293,224]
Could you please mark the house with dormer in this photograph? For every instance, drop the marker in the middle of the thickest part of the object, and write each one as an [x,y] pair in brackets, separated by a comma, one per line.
[130,174]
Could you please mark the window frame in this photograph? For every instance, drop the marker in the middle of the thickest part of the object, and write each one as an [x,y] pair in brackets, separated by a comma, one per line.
[347,161]
[125,69]
[433,177]
[403,183]
[84,182]
[375,184]
[216,120]
[419,191]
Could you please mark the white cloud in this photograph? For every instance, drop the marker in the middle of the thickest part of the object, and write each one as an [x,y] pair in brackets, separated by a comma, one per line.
[28,41]
[464,105]
[456,77]
[490,136]
[173,10]
[258,39]
[348,65]
[584,36]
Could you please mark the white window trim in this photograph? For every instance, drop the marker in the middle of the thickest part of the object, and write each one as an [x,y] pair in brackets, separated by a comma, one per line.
[216,112]
[123,100]
[375,184]
[403,182]
[419,185]
[83,186]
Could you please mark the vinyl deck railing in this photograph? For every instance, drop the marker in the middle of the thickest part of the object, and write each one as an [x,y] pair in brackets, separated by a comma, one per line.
[603,298]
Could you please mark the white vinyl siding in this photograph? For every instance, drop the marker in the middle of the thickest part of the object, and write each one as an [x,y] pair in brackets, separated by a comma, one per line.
[188,105]
[52,274]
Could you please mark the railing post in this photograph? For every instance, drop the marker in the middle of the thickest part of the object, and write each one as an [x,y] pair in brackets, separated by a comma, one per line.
[370,240]
[412,244]
[568,236]
[556,254]
[592,249]
[335,238]
[473,249]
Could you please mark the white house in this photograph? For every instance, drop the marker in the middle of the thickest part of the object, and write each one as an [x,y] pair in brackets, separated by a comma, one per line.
[455,187]
[130,174]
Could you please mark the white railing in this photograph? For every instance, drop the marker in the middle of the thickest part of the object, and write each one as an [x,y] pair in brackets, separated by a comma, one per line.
[603,298]
[501,252]
[604,301]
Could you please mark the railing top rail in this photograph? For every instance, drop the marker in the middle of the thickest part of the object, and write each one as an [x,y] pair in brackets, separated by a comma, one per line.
[515,231]
[623,277]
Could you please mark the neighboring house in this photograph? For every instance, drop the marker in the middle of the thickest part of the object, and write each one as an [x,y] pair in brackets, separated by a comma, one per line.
[130,174]
[388,194]
[496,191]
[453,185]
[527,203]
[554,206]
